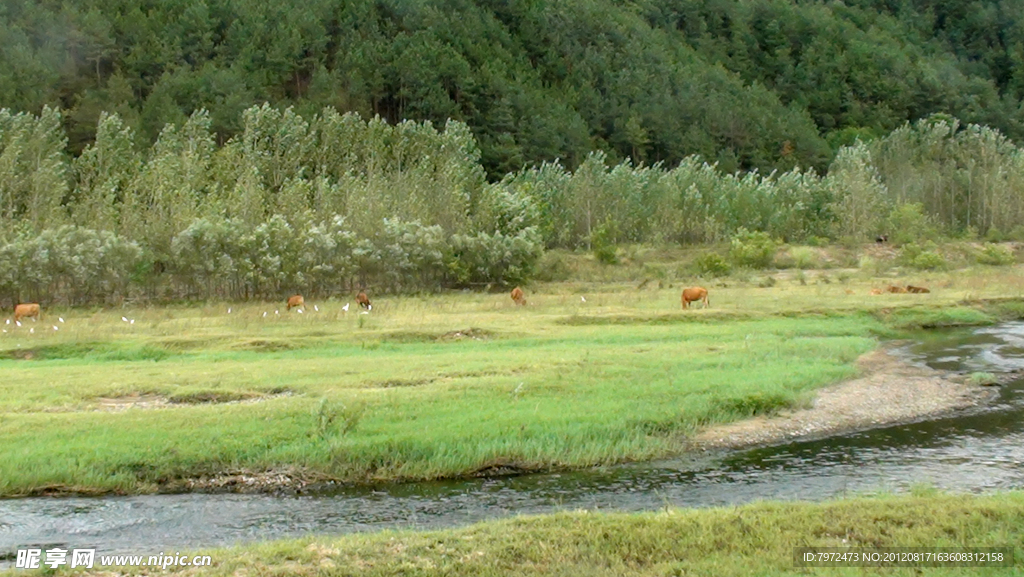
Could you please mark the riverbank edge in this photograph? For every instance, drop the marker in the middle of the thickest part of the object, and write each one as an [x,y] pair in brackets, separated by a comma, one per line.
[720,541]
[891,390]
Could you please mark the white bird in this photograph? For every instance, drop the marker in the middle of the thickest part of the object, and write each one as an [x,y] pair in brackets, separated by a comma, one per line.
[55,328]
[32,330]
[229,310]
[300,311]
[5,330]
[345,308]
[369,307]
[125,319]
[17,323]
[316,308]
[8,321]
[264,314]
[277,312]
[132,322]
[61,319]
[584,299]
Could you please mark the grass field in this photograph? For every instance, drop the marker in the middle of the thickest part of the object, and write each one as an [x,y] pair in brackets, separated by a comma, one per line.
[756,539]
[438,386]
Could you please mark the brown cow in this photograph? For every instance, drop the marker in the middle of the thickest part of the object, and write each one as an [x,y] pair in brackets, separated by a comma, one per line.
[896,289]
[875,291]
[518,297]
[363,301]
[26,310]
[917,289]
[296,301]
[695,294]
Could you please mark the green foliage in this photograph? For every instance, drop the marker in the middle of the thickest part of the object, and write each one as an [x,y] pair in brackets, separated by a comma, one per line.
[70,264]
[910,225]
[995,255]
[924,256]
[481,259]
[711,264]
[602,243]
[752,249]
[981,378]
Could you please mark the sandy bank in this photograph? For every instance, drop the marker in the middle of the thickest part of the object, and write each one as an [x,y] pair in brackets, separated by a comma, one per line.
[891,391]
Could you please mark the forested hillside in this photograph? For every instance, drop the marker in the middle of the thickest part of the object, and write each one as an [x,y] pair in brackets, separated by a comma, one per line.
[765,84]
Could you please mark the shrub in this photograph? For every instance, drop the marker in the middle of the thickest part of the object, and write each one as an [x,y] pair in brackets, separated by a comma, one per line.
[602,243]
[874,266]
[752,249]
[909,224]
[995,255]
[711,264]
[994,235]
[493,259]
[922,256]
[553,266]
[804,257]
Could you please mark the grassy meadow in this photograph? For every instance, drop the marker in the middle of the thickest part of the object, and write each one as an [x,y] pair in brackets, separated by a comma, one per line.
[755,539]
[442,385]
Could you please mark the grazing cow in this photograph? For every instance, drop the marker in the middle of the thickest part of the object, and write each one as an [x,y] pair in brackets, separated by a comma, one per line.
[295,301]
[26,310]
[518,297]
[882,238]
[363,301]
[917,289]
[695,294]
[896,289]
[876,291]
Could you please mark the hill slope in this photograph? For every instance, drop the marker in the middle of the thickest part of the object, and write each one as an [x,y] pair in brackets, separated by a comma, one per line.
[763,84]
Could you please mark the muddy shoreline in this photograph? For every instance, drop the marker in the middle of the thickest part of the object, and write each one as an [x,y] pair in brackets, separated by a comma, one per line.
[890,391]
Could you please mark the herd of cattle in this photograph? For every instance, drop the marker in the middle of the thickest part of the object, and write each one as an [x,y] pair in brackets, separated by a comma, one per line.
[690,295]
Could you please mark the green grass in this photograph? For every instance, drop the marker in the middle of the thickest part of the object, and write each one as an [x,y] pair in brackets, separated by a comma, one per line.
[432,387]
[756,539]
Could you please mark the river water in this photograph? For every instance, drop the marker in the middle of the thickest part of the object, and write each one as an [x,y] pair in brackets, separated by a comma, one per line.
[979,451]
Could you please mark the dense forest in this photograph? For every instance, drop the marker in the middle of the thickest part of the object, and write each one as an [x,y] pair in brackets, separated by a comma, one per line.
[770,84]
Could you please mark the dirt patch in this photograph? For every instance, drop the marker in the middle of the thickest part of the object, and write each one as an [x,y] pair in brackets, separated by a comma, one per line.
[264,346]
[154,401]
[891,391]
[393,383]
[290,479]
[470,333]
[426,337]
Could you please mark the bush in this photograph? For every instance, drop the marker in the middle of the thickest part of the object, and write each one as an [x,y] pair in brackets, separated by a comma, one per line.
[553,266]
[994,235]
[711,264]
[909,224]
[995,255]
[874,266]
[752,249]
[602,243]
[804,257]
[483,259]
[922,256]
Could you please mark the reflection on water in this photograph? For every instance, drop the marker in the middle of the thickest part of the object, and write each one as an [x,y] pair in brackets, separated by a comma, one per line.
[976,452]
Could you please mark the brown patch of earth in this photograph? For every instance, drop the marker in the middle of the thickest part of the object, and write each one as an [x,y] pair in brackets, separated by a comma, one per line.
[892,391]
[152,401]
[245,481]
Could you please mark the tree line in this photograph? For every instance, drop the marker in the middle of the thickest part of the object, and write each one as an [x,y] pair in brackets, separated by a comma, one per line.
[336,202]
